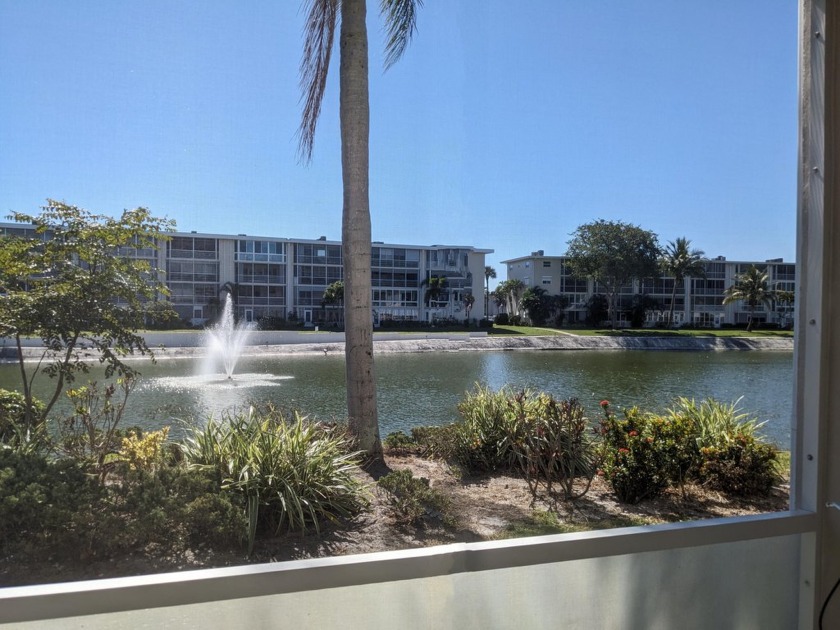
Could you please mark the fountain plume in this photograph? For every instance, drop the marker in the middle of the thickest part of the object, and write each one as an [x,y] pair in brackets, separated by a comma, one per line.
[226,338]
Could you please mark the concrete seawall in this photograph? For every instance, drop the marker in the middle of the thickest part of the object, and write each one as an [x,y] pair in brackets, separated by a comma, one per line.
[186,344]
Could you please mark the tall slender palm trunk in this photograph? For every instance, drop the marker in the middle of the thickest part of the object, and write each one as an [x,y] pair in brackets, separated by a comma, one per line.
[671,309]
[355,228]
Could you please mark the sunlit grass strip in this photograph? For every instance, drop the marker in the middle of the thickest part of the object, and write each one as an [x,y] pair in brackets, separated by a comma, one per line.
[291,473]
[686,332]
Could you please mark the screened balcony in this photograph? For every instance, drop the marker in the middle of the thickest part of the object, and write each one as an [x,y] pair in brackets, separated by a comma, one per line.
[768,571]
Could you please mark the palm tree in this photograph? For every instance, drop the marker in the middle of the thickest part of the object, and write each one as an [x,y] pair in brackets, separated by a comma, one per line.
[469,300]
[489,272]
[750,287]
[436,287]
[785,300]
[511,291]
[321,20]
[333,296]
[680,261]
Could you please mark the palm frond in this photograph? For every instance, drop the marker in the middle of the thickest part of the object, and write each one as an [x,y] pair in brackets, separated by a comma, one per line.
[321,21]
[401,23]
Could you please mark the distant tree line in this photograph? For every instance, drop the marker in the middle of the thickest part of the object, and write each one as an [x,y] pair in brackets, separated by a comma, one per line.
[613,254]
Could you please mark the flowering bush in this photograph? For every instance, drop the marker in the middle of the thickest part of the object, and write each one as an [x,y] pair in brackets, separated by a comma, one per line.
[645,453]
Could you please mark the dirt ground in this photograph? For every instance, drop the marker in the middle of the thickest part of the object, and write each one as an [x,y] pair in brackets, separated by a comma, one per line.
[484,508]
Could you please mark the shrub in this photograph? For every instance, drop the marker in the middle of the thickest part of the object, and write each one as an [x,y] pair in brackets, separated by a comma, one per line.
[502,319]
[144,451]
[635,459]
[411,499]
[744,467]
[399,443]
[290,473]
[44,502]
[553,443]
[174,507]
[13,431]
[731,456]
[716,424]
[482,440]
[89,434]
[435,441]
[545,439]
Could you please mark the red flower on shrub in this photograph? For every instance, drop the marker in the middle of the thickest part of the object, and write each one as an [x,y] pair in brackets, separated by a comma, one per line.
[605,403]
[633,433]
[624,450]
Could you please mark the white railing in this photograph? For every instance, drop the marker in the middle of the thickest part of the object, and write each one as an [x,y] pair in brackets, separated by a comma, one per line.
[741,572]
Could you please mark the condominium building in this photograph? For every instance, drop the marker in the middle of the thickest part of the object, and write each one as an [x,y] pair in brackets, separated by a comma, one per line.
[286,278]
[698,301]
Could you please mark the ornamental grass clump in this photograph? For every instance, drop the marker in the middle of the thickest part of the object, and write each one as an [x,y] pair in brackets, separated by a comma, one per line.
[292,473]
[482,440]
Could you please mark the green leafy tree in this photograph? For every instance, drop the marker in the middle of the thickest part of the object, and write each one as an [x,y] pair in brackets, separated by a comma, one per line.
[613,253]
[640,305]
[596,309]
[68,285]
[489,273]
[161,315]
[321,23]
[536,302]
[751,288]
[680,261]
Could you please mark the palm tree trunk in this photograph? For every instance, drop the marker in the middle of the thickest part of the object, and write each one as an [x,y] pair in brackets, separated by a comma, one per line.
[355,229]
[671,310]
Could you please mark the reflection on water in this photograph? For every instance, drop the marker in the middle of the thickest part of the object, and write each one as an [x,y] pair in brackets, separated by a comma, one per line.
[424,388]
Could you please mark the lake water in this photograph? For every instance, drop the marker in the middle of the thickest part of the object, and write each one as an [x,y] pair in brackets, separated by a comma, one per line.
[424,388]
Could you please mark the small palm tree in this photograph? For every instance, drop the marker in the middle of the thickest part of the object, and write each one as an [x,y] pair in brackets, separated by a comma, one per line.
[436,287]
[750,287]
[333,296]
[489,272]
[680,261]
[785,300]
[512,291]
[469,300]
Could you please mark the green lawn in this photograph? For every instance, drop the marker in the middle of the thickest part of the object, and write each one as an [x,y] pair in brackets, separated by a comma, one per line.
[657,332]
[530,331]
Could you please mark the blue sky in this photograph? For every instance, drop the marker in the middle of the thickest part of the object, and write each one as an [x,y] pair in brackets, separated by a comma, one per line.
[505,126]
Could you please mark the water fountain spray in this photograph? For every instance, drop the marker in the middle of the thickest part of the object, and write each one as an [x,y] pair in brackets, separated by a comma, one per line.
[226,339]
